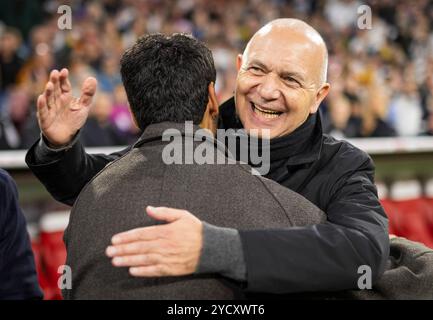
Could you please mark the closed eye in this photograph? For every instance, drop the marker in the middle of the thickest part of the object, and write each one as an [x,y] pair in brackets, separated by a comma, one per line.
[291,80]
[256,70]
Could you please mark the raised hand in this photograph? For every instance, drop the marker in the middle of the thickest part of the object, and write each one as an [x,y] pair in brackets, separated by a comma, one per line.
[60,115]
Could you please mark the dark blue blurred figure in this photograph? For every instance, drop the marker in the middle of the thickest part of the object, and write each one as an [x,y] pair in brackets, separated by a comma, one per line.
[18,279]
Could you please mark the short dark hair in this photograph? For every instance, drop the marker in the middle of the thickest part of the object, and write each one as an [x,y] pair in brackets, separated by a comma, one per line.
[166,78]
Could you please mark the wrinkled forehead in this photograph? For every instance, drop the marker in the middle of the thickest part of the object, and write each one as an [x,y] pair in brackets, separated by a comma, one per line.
[284,49]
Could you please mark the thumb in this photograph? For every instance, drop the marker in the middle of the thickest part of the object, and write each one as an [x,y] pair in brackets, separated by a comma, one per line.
[165,214]
[88,91]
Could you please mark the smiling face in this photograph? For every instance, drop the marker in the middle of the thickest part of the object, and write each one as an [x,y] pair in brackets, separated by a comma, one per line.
[281,77]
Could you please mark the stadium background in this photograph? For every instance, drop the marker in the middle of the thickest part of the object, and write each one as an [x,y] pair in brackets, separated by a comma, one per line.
[381,98]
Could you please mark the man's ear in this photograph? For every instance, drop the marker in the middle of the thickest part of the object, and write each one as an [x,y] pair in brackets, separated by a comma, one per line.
[321,94]
[210,117]
[133,117]
[213,101]
[238,62]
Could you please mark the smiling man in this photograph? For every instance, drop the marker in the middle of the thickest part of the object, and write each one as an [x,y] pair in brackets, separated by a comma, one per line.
[281,83]
[281,78]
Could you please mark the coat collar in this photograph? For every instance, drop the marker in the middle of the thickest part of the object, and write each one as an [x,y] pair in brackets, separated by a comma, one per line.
[155,132]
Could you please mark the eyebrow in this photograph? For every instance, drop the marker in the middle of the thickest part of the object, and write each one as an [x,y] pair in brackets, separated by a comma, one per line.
[283,74]
[259,64]
[292,74]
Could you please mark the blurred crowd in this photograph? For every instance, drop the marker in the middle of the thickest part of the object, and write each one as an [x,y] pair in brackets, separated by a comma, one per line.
[381,78]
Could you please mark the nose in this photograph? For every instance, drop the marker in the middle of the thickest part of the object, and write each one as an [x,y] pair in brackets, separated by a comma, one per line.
[269,87]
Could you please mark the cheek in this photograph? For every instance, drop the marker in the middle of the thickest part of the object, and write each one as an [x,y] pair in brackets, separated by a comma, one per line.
[246,83]
[298,101]
[292,100]
[244,87]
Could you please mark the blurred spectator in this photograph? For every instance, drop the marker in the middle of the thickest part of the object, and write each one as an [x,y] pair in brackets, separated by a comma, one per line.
[340,122]
[342,14]
[121,117]
[109,76]
[10,61]
[9,138]
[381,77]
[429,130]
[405,108]
[22,14]
[374,111]
[98,131]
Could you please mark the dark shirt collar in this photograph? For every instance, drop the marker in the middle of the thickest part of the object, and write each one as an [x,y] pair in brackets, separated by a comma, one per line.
[302,146]
[299,147]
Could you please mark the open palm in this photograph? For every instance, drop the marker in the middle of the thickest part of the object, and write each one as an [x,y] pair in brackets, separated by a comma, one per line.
[60,115]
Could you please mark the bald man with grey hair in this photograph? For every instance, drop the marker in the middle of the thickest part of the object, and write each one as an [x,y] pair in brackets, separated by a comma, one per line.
[280,85]
[303,29]
[281,77]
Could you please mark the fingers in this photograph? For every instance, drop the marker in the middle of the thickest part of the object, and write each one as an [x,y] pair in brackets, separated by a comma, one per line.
[42,108]
[65,85]
[41,103]
[165,214]
[49,95]
[152,232]
[150,271]
[88,91]
[140,234]
[54,79]
[137,260]
[133,248]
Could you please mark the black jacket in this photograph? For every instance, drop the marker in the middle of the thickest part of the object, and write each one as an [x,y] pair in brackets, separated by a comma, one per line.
[334,175]
[18,279]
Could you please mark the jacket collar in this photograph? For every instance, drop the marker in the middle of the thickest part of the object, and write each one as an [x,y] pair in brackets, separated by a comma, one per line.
[155,132]
[302,146]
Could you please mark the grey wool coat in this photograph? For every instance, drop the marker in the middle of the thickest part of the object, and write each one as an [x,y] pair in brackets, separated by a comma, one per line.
[226,195]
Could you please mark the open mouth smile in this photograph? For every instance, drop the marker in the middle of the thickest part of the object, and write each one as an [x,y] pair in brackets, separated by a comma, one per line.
[266,113]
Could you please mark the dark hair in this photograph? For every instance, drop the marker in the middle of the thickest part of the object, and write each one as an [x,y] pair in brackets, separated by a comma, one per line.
[166,78]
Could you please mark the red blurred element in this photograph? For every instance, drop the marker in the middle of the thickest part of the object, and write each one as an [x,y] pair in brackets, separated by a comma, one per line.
[38,262]
[50,252]
[53,255]
[411,219]
[429,218]
[393,214]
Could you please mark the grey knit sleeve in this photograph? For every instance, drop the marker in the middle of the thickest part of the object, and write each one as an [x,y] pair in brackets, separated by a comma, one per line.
[222,253]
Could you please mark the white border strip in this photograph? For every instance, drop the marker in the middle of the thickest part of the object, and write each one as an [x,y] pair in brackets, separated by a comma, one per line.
[14,159]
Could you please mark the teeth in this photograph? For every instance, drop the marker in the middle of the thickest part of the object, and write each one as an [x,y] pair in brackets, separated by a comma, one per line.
[266,111]
[266,114]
